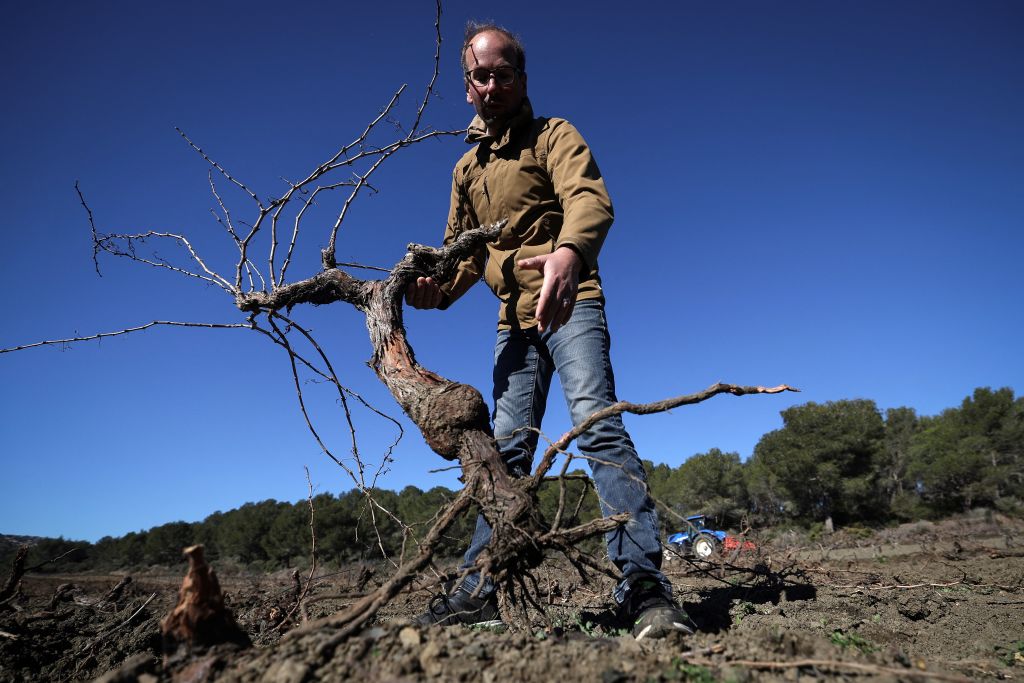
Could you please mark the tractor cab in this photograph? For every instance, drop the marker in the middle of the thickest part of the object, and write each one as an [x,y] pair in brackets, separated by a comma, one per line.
[699,521]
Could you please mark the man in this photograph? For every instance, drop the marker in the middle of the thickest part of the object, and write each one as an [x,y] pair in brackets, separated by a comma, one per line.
[538,173]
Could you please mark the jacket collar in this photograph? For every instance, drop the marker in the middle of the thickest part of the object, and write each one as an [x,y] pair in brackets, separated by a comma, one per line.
[477,131]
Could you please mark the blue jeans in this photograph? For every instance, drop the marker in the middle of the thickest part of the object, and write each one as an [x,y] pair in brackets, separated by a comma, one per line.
[524,362]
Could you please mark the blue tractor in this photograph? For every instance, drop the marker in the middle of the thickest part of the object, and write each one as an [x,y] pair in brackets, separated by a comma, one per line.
[698,539]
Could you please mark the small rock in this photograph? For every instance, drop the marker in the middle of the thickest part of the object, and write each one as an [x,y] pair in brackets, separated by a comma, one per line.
[131,670]
[628,645]
[678,640]
[286,671]
[429,658]
[913,608]
[613,676]
[409,637]
[477,651]
[375,633]
[737,674]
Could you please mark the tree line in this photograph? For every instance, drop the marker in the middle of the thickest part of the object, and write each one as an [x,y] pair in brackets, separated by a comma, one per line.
[846,462]
[841,462]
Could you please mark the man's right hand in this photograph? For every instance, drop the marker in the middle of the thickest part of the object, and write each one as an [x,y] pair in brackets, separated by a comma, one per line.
[424,293]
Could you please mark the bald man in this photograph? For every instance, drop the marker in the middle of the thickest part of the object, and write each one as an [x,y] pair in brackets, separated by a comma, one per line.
[539,175]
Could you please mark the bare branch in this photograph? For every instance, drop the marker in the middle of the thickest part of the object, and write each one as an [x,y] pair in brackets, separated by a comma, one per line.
[412,137]
[363,610]
[562,478]
[108,243]
[644,409]
[52,560]
[220,168]
[359,265]
[332,378]
[129,330]
[437,66]
[124,623]
[323,288]
[227,214]
[302,403]
[312,554]
[335,285]
[328,253]
[92,226]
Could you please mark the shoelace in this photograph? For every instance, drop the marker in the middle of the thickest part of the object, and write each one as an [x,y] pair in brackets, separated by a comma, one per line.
[439,606]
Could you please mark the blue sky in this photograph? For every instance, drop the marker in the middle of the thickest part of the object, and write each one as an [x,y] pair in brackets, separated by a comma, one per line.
[823,194]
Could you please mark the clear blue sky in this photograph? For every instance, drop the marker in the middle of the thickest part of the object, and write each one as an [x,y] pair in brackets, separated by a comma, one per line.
[824,194]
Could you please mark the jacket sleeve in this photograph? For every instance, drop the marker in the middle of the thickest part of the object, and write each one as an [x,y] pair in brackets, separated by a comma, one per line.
[460,219]
[578,184]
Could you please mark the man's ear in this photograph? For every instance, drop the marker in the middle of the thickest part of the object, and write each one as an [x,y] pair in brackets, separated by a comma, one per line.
[469,96]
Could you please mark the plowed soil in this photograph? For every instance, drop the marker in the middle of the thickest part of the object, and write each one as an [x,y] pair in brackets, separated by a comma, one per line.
[921,602]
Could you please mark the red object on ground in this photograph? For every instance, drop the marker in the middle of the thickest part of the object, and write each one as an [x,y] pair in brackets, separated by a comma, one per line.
[733,543]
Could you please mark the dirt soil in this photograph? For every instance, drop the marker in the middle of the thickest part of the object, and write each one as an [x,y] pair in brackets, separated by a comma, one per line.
[917,603]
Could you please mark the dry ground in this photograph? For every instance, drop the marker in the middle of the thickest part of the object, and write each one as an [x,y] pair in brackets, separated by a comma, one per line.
[921,602]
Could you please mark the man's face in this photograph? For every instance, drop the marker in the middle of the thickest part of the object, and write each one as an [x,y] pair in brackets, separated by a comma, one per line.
[495,103]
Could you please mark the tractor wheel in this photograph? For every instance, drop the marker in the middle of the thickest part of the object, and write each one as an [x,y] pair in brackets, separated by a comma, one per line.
[704,546]
[674,552]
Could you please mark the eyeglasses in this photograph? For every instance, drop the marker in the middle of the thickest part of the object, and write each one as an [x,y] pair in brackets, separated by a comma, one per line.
[503,75]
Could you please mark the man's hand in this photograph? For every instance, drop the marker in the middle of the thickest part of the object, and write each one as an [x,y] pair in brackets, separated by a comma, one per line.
[561,270]
[423,293]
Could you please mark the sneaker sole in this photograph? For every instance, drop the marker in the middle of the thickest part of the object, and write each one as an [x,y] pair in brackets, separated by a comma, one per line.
[493,623]
[661,630]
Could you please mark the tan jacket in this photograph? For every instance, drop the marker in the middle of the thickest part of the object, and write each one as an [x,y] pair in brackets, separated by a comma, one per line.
[540,176]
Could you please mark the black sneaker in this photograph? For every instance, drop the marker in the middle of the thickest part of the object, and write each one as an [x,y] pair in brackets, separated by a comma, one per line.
[460,607]
[653,614]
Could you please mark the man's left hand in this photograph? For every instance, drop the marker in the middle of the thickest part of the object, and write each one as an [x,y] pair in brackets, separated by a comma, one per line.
[561,270]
